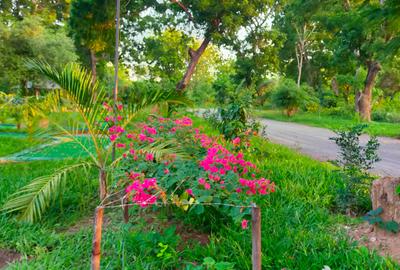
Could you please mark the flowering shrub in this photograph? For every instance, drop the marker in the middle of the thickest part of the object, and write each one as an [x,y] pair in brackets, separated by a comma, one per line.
[209,174]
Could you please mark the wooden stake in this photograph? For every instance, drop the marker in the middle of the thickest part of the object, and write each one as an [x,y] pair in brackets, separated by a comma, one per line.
[126,211]
[96,245]
[256,237]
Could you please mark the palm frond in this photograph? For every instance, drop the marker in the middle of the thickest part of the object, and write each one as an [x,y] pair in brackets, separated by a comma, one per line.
[86,96]
[33,199]
[153,98]
[165,148]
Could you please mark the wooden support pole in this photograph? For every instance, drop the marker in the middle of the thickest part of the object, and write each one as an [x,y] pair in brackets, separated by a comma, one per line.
[96,244]
[126,211]
[256,237]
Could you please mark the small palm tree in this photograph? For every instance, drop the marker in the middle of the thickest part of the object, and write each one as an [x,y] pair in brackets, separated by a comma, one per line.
[86,98]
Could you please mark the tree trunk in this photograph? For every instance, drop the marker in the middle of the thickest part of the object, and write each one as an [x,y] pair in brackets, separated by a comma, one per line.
[103,183]
[335,87]
[93,63]
[194,60]
[365,100]
[299,53]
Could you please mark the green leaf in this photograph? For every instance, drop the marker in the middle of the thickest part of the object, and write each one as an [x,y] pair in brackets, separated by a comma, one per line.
[392,226]
[224,266]
[375,212]
[33,199]
[209,262]
[398,190]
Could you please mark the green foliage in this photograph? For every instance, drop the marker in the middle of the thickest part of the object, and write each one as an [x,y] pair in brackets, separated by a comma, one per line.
[232,118]
[151,245]
[33,199]
[165,55]
[210,264]
[289,97]
[373,218]
[299,232]
[10,145]
[31,38]
[91,24]
[352,154]
[355,161]
[49,10]
[87,99]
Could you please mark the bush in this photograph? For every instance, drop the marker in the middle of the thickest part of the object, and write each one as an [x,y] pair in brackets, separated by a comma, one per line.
[355,160]
[327,98]
[289,97]
[384,116]
[201,173]
[232,117]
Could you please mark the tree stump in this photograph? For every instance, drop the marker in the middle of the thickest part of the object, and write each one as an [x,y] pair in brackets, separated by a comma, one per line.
[383,194]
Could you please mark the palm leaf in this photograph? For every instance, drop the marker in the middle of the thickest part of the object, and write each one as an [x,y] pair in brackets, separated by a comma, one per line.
[33,199]
[84,95]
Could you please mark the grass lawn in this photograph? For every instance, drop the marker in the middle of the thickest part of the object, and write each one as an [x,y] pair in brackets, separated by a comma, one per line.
[332,122]
[298,227]
[13,144]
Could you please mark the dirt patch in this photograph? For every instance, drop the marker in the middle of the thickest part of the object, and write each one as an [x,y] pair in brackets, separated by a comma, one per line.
[7,257]
[384,242]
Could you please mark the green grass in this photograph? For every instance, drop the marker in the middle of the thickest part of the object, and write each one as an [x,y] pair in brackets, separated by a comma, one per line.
[332,122]
[299,229]
[13,144]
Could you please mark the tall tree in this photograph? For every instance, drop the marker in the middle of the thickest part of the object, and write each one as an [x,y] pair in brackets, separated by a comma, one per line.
[30,38]
[212,21]
[297,21]
[366,34]
[50,10]
[92,27]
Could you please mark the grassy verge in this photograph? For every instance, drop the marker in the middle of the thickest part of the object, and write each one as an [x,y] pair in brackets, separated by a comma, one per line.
[298,228]
[332,122]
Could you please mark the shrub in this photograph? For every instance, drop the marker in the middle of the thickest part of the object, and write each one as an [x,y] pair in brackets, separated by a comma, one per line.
[232,119]
[355,160]
[384,116]
[289,97]
[204,173]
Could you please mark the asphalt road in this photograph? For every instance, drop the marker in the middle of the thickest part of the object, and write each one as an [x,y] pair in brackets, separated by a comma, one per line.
[315,142]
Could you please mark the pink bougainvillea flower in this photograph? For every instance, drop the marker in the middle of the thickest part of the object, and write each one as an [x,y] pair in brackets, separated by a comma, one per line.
[236,141]
[120,145]
[113,137]
[202,181]
[130,136]
[149,157]
[119,118]
[207,186]
[190,192]
[151,131]
[120,107]
[142,137]
[124,155]
[245,224]
[166,171]
[185,121]
[132,151]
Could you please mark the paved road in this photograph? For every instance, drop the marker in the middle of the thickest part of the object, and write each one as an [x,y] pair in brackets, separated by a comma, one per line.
[315,142]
